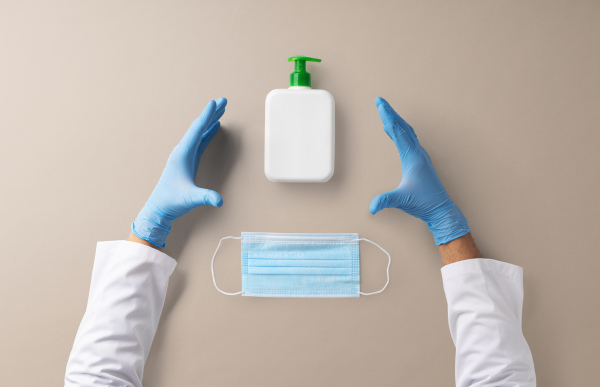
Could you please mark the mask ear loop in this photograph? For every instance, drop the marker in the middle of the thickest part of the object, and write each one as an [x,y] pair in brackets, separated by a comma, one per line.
[388,267]
[212,266]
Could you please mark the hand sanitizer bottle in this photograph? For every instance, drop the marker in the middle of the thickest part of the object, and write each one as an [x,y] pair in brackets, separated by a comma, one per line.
[299,130]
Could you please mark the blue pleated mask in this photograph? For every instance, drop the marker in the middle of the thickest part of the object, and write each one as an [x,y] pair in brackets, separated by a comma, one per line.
[300,265]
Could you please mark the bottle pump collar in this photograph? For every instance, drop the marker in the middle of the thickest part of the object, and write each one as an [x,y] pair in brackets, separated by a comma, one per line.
[300,77]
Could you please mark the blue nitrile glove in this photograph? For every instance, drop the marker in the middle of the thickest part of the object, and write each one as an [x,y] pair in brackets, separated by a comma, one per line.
[420,193]
[176,193]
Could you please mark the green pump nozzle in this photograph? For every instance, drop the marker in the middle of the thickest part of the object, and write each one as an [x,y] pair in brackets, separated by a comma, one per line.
[300,77]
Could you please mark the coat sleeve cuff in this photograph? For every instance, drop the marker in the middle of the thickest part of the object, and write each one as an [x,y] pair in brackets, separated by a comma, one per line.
[483,264]
[134,250]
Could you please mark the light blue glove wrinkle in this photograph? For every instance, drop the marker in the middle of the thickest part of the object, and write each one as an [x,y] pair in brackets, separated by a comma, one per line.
[420,193]
[176,193]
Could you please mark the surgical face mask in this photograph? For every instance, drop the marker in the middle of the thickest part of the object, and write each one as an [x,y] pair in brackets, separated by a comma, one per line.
[300,265]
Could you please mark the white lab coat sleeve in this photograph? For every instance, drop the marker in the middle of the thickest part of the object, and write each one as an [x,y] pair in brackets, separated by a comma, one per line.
[127,293]
[485,302]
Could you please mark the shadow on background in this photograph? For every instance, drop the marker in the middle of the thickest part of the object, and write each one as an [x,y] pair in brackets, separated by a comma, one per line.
[214,167]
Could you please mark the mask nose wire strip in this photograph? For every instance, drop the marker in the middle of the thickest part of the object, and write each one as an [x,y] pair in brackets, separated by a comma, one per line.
[388,267]
[212,266]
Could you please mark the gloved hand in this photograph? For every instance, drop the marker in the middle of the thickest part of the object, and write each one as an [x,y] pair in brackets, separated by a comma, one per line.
[420,193]
[176,193]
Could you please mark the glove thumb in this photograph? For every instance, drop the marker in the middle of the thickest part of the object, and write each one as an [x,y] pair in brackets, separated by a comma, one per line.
[384,200]
[202,197]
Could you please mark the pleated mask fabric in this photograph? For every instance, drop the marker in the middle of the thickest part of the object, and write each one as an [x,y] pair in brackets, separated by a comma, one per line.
[300,265]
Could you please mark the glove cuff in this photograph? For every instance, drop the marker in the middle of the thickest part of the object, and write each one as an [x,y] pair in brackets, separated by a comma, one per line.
[449,225]
[151,227]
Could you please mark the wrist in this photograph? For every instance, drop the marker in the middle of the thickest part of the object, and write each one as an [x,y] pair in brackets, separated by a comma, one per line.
[459,249]
[136,239]
[151,227]
[449,224]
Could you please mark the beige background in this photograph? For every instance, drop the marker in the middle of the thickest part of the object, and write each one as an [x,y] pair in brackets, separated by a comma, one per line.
[505,96]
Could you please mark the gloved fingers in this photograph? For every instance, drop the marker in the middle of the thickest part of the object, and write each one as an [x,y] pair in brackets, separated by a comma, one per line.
[207,137]
[209,130]
[221,104]
[193,135]
[397,130]
[409,129]
[201,196]
[385,200]
[411,133]
[204,141]
[208,134]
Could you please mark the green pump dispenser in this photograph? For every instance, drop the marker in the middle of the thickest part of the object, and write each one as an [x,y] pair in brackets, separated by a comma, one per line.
[300,77]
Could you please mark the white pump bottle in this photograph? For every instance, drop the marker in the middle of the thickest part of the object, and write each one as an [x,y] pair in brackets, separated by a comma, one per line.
[299,130]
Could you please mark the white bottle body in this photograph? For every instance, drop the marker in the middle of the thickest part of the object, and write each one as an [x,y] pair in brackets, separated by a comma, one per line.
[299,135]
